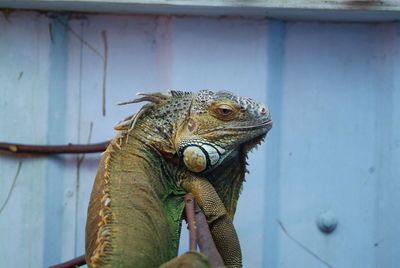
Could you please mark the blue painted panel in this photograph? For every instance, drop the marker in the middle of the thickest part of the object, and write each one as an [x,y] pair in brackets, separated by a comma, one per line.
[335,104]
[333,90]
[235,61]
[24,64]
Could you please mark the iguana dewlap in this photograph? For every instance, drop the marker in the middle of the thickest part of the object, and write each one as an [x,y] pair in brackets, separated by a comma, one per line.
[178,143]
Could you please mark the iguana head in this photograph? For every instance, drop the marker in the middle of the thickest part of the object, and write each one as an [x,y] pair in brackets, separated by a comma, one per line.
[216,126]
[203,129]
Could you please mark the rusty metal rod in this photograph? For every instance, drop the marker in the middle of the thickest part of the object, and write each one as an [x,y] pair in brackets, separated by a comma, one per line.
[205,240]
[76,262]
[54,149]
[190,218]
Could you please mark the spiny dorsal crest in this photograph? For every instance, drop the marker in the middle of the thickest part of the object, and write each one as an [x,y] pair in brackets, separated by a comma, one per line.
[177,93]
[129,122]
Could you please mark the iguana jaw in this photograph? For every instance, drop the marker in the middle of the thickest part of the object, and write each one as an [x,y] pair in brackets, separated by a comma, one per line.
[267,124]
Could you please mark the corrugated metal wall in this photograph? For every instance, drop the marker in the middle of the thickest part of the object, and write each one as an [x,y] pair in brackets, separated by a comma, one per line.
[333,90]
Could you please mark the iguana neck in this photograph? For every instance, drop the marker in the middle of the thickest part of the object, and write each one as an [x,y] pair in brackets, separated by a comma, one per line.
[137,184]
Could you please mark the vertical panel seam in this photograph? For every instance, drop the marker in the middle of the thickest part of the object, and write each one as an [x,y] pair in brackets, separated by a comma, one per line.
[276,35]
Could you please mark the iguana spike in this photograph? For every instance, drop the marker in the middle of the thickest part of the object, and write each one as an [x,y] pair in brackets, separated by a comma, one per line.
[155,97]
[145,98]
[137,116]
[178,93]
[122,126]
[125,119]
[129,122]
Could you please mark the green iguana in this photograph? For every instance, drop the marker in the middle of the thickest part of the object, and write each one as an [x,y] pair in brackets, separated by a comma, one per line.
[180,142]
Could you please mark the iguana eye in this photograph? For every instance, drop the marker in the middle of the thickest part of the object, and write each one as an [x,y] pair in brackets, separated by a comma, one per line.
[224,109]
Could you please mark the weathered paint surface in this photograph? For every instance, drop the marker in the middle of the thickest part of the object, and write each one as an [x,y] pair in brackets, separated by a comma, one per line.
[333,90]
[322,10]
[337,113]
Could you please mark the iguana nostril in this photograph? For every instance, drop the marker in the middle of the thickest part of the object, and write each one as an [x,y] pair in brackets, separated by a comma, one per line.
[263,110]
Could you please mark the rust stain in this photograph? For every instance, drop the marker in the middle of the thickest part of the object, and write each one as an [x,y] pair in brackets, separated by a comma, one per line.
[80,38]
[51,33]
[13,148]
[6,13]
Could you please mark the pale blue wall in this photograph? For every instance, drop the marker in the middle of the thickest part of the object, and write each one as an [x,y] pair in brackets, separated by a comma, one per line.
[333,90]
[335,144]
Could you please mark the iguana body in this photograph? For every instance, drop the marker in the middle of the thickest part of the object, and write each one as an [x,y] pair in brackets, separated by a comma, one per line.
[179,143]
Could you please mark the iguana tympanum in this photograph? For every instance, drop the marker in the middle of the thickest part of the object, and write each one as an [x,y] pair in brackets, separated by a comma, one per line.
[179,142]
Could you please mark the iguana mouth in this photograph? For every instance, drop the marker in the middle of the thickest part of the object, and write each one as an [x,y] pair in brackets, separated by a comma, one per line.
[267,123]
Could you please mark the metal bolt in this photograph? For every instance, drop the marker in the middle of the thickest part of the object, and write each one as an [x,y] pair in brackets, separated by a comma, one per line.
[327,222]
[69,192]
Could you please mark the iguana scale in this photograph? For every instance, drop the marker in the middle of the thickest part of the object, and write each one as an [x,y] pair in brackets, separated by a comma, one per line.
[179,142]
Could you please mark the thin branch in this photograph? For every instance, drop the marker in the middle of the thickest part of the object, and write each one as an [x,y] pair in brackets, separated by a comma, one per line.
[303,246]
[190,218]
[12,186]
[104,57]
[205,240]
[54,149]
[80,38]
[76,262]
